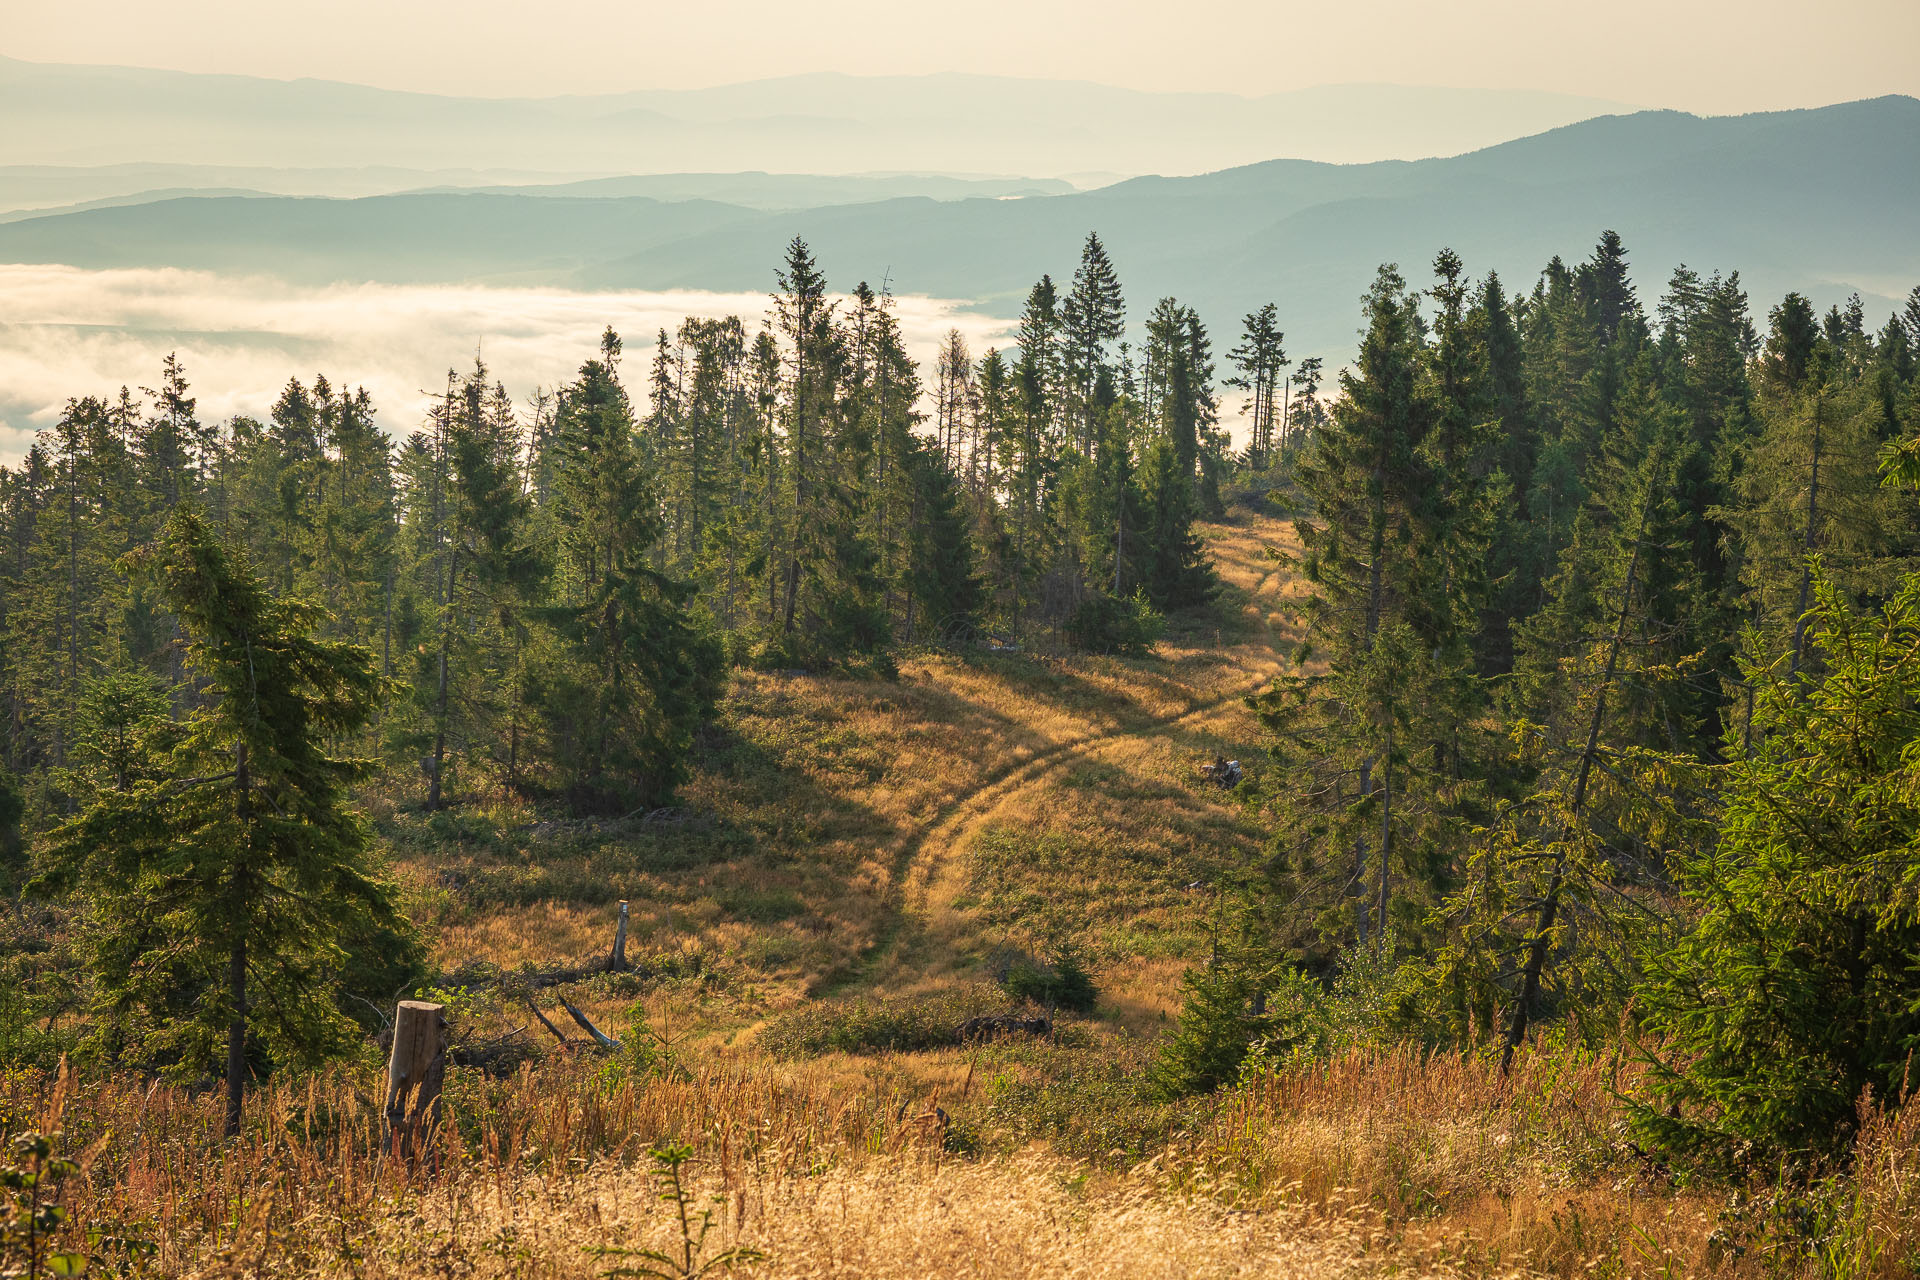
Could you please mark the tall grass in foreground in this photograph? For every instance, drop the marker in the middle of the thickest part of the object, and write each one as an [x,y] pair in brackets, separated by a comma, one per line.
[1537,1170]
[1376,1161]
[305,1188]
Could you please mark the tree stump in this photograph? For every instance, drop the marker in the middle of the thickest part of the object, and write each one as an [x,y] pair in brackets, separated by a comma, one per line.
[618,960]
[414,1074]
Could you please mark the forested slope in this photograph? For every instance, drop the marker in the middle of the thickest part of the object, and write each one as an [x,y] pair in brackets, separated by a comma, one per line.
[1563,902]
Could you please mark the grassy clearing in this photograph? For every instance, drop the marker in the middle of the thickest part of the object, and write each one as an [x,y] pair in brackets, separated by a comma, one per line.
[901,845]
[825,842]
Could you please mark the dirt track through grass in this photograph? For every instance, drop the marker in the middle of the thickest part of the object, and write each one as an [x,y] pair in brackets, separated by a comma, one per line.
[929,870]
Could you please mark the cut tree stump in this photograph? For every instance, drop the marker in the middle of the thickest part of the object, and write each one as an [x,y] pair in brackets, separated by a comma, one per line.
[414,1076]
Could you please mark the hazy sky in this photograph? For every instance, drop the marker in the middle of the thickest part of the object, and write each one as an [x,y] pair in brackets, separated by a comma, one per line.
[1699,55]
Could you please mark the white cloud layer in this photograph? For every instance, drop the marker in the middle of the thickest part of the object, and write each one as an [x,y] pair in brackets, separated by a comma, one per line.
[67,332]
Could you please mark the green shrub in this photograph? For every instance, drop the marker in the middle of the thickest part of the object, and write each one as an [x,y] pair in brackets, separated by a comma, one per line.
[1060,980]
[1093,1103]
[1232,1011]
[876,1026]
[760,906]
[1795,993]
[34,1226]
[1113,624]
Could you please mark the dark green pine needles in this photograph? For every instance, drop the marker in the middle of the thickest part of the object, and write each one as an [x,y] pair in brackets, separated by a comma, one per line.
[231,887]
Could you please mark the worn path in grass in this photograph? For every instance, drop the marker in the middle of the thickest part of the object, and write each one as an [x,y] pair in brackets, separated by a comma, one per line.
[930,924]
[833,825]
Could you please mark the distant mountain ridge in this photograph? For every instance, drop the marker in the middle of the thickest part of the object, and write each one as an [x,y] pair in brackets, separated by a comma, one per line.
[821,123]
[1825,201]
[28,191]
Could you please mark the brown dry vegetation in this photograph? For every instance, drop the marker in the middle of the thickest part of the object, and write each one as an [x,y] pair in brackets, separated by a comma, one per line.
[825,1179]
[843,832]
[877,844]
[1375,1163]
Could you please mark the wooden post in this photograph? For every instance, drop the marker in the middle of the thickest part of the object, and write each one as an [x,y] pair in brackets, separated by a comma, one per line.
[414,1073]
[618,960]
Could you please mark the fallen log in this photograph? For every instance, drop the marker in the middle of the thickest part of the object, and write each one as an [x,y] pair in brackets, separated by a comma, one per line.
[600,1037]
[558,1034]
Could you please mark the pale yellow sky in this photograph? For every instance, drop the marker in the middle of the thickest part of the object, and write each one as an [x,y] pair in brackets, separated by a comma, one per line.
[1699,55]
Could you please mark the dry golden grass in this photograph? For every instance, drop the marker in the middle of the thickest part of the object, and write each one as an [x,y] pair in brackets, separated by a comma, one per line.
[886,838]
[537,1171]
[823,841]
[1530,1170]
[1377,1162]
[915,1216]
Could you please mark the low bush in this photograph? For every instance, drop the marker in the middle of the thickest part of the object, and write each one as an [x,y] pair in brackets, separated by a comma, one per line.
[1058,980]
[879,1026]
[1094,1103]
[1113,624]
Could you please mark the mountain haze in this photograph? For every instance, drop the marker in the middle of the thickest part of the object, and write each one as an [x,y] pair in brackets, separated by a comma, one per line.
[1824,201]
[826,123]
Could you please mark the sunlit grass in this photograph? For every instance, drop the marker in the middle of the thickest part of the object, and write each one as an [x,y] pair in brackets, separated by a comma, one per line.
[1018,1159]
[828,818]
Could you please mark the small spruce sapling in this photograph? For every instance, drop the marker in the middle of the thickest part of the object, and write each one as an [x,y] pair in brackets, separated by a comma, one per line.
[688,1260]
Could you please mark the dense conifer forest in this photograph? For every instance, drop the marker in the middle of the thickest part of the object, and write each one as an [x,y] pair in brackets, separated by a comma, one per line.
[1599,732]
[552,590]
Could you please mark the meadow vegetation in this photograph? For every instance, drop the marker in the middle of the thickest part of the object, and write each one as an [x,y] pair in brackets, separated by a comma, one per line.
[1560,919]
[853,1134]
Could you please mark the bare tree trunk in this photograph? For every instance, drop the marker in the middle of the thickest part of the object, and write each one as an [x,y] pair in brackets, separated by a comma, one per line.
[1807,545]
[236,1037]
[617,960]
[237,971]
[1375,592]
[799,445]
[73,603]
[386,655]
[1386,837]
[440,698]
[1550,903]
[1360,908]
[513,725]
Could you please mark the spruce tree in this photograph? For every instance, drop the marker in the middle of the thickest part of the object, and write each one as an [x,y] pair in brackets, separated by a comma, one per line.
[634,674]
[1260,363]
[1537,922]
[1516,576]
[1467,501]
[13,843]
[994,495]
[1794,992]
[1808,487]
[1036,458]
[832,592]
[1672,703]
[1091,319]
[228,893]
[490,569]
[1353,785]
[805,320]
[1213,440]
[354,527]
[946,595]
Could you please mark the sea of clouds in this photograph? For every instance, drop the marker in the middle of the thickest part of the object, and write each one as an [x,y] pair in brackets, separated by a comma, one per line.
[67,332]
